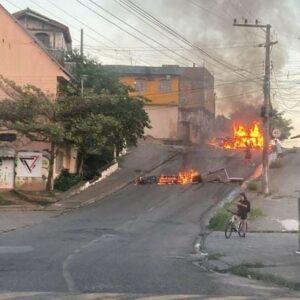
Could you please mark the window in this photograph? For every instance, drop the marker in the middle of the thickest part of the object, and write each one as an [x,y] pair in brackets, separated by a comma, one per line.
[140,85]
[44,38]
[165,86]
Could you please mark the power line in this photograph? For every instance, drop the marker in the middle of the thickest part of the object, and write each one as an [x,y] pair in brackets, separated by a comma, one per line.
[82,23]
[172,32]
[140,32]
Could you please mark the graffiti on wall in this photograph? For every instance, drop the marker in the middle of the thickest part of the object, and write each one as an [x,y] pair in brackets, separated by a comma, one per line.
[29,164]
[33,183]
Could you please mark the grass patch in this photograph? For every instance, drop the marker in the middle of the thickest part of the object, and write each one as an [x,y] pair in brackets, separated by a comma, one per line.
[214,256]
[243,270]
[254,213]
[254,185]
[5,202]
[219,220]
[276,164]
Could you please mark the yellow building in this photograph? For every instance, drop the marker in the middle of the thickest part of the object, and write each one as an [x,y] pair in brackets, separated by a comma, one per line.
[182,99]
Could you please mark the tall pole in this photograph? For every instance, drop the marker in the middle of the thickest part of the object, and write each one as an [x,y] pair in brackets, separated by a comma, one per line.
[266,110]
[81,43]
[267,102]
[298,251]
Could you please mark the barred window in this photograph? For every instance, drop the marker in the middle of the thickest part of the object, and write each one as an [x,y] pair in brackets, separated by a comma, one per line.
[165,86]
[140,85]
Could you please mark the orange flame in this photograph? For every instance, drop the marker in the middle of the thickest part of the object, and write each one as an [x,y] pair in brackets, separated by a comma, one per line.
[243,137]
[184,177]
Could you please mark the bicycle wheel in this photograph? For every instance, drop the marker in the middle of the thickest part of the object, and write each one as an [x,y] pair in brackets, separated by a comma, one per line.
[242,231]
[228,230]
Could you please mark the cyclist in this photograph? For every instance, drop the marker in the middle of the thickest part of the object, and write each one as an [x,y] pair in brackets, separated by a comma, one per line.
[243,208]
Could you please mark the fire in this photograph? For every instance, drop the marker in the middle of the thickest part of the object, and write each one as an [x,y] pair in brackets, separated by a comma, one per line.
[184,177]
[243,136]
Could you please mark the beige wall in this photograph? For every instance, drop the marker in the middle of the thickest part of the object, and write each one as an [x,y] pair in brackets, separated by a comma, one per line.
[25,62]
[164,120]
[22,60]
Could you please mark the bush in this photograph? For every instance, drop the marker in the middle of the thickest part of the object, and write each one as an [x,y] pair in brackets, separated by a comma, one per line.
[254,185]
[218,221]
[96,163]
[65,181]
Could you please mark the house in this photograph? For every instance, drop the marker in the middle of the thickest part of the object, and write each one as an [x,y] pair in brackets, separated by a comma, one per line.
[182,103]
[54,36]
[25,60]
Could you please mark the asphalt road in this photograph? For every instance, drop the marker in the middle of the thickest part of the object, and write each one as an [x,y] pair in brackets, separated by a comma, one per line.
[138,240]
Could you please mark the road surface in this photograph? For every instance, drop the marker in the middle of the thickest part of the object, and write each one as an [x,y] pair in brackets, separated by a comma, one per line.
[139,240]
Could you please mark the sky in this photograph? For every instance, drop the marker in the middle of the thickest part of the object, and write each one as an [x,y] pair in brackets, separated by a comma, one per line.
[116,34]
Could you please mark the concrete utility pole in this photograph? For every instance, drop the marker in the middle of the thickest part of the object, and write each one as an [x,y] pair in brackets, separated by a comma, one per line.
[298,252]
[267,100]
[81,43]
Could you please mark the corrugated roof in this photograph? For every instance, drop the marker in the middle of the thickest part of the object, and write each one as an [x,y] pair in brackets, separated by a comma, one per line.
[142,70]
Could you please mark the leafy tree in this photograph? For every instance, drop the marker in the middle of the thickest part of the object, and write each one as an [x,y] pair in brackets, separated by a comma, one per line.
[105,95]
[32,114]
[95,76]
[280,122]
[104,118]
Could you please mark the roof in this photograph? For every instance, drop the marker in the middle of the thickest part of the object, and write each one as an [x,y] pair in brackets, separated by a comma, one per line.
[37,42]
[175,70]
[142,70]
[34,14]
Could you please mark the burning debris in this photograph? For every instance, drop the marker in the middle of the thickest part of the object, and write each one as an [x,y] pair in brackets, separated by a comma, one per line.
[189,177]
[243,137]
[184,177]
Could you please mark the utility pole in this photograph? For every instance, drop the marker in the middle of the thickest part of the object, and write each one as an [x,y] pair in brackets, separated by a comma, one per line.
[81,43]
[267,100]
[298,251]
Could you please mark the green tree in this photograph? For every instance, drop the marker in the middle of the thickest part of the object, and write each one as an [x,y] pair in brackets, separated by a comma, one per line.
[280,122]
[33,114]
[105,95]
[95,76]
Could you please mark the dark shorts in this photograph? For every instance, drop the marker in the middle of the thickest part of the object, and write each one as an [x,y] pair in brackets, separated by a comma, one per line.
[242,215]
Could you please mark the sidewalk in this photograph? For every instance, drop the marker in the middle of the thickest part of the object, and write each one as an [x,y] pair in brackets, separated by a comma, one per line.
[268,251]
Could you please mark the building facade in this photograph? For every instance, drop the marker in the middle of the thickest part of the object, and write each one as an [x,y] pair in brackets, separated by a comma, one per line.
[54,36]
[182,103]
[24,164]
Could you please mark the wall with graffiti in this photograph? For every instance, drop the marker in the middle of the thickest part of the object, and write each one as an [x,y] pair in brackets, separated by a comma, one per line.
[32,169]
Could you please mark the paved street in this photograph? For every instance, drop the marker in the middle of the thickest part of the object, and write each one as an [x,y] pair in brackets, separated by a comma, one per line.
[139,240]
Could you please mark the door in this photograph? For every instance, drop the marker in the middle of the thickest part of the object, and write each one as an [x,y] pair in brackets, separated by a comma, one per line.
[7,171]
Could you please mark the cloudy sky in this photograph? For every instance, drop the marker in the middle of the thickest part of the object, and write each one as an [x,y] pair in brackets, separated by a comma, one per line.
[119,32]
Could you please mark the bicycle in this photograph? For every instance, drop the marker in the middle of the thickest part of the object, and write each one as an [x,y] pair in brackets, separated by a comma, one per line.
[235,224]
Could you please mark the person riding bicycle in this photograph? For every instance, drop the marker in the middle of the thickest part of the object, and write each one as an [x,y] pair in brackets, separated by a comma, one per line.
[243,208]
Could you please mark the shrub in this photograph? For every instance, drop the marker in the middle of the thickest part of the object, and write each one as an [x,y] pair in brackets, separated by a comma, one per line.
[218,221]
[254,185]
[276,164]
[65,181]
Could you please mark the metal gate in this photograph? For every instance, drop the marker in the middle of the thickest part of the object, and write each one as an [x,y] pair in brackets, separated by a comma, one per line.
[7,171]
